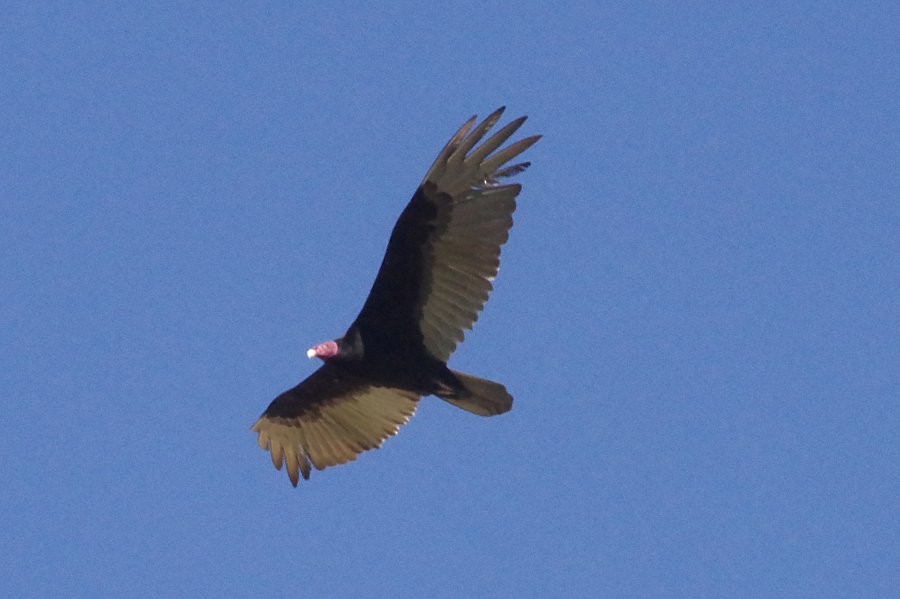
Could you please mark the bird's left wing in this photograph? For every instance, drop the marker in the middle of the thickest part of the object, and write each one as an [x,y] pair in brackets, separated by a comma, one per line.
[329,419]
[444,251]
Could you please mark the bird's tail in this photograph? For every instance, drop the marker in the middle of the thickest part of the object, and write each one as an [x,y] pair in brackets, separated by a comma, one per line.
[480,396]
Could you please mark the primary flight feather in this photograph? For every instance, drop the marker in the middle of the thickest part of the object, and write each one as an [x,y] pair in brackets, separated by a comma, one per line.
[437,272]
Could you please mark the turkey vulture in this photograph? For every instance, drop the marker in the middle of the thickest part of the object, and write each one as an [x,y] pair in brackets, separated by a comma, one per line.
[435,277]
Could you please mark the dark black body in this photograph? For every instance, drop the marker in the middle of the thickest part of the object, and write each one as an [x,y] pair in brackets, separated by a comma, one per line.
[384,345]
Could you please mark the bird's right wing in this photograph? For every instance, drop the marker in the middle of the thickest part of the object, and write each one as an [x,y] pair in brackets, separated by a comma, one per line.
[329,419]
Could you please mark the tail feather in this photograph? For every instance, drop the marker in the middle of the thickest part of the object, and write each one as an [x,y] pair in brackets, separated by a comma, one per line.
[481,396]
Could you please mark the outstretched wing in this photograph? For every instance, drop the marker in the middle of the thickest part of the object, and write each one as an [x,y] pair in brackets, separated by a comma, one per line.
[444,251]
[329,419]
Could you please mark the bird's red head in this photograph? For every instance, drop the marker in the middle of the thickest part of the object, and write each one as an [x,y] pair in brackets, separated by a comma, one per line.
[326,350]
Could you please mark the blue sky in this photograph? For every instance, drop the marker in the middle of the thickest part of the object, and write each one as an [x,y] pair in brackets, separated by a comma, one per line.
[697,311]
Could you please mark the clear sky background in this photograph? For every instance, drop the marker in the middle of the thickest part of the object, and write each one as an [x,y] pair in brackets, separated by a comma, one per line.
[697,311]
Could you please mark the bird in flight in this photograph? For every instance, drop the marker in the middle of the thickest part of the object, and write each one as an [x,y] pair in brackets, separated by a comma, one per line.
[437,272]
